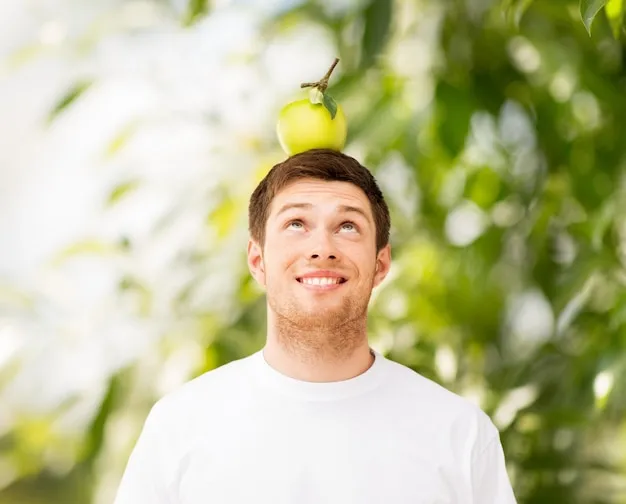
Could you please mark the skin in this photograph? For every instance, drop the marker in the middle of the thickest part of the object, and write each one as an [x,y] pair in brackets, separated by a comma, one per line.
[318,334]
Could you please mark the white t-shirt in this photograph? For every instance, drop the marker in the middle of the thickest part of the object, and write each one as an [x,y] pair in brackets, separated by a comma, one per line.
[245,433]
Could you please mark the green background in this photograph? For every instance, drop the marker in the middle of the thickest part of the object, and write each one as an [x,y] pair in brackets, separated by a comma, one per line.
[496,130]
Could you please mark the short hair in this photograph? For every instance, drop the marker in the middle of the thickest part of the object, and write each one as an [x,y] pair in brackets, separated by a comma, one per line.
[320,164]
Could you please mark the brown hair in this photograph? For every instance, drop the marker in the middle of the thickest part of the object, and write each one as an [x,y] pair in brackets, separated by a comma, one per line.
[321,164]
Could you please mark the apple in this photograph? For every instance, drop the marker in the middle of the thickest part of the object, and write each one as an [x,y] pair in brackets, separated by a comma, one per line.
[303,125]
[314,123]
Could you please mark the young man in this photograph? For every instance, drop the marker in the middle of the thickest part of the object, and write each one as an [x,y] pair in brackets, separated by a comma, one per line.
[316,416]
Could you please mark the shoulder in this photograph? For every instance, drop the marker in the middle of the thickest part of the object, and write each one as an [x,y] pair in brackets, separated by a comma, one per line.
[436,404]
[205,396]
[412,384]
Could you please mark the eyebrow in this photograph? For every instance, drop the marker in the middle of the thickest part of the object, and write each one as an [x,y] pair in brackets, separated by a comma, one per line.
[340,208]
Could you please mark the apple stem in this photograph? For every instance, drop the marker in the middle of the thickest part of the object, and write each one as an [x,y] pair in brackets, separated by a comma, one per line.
[322,84]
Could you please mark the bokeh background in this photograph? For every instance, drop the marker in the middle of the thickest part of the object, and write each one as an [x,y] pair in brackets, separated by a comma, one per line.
[133,132]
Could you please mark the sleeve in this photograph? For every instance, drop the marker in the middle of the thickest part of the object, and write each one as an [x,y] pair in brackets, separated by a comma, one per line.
[144,480]
[490,481]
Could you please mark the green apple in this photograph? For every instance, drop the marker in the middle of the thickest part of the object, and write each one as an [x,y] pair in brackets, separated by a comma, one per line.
[303,125]
[314,123]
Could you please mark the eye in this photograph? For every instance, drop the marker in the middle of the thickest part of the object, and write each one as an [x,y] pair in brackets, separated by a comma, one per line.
[349,227]
[295,224]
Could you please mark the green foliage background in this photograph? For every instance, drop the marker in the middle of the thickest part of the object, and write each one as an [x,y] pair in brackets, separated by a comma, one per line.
[503,159]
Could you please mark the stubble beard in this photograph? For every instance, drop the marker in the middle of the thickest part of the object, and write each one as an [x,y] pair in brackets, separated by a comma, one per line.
[330,333]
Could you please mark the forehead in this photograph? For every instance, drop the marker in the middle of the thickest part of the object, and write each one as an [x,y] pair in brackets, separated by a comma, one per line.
[321,193]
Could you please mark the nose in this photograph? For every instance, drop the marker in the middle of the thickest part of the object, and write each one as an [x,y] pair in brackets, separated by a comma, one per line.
[322,256]
[323,247]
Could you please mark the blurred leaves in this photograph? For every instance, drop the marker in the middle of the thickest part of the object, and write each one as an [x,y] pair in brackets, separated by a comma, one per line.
[589,9]
[377,17]
[96,432]
[120,139]
[615,13]
[455,112]
[85,247]
[514,10]
[75,92]
[122,190]
[499,123]
[223,217]
[196,9]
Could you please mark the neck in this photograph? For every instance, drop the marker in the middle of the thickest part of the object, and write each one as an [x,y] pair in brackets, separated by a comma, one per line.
[320,354]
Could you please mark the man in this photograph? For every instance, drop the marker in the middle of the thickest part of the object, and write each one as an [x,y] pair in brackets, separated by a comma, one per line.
[316,416]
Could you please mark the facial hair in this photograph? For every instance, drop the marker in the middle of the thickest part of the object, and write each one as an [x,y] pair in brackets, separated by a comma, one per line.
[329,333]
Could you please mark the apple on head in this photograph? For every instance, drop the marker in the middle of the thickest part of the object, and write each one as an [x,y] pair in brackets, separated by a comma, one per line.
[317,122]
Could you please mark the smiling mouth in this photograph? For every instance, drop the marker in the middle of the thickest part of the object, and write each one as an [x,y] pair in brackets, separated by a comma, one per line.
[321,281]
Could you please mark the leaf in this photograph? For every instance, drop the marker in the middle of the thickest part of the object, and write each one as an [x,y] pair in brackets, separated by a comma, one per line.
[195,10]
[141,295]
[96,432]
[223,217]
[86,247]
[484,187]
[377,26]
[70,97]
[615,12]
[12,297]
[602,223]
[331,105]
[514,10]
[122,190]
[454,110]
[23,55]
[588,11]
[121,139]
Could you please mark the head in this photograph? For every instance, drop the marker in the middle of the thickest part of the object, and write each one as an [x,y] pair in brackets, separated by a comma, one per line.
[318,214]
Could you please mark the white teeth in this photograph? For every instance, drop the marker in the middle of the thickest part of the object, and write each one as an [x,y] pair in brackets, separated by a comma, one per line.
[320,281]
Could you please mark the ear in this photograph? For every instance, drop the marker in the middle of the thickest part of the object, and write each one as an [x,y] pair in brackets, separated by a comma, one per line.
[255,262]
[383,264]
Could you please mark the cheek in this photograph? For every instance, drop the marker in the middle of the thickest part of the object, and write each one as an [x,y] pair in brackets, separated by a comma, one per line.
[279,243]
[279,263]
[366,263]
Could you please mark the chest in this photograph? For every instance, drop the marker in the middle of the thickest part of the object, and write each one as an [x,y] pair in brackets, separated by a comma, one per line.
[327,459]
